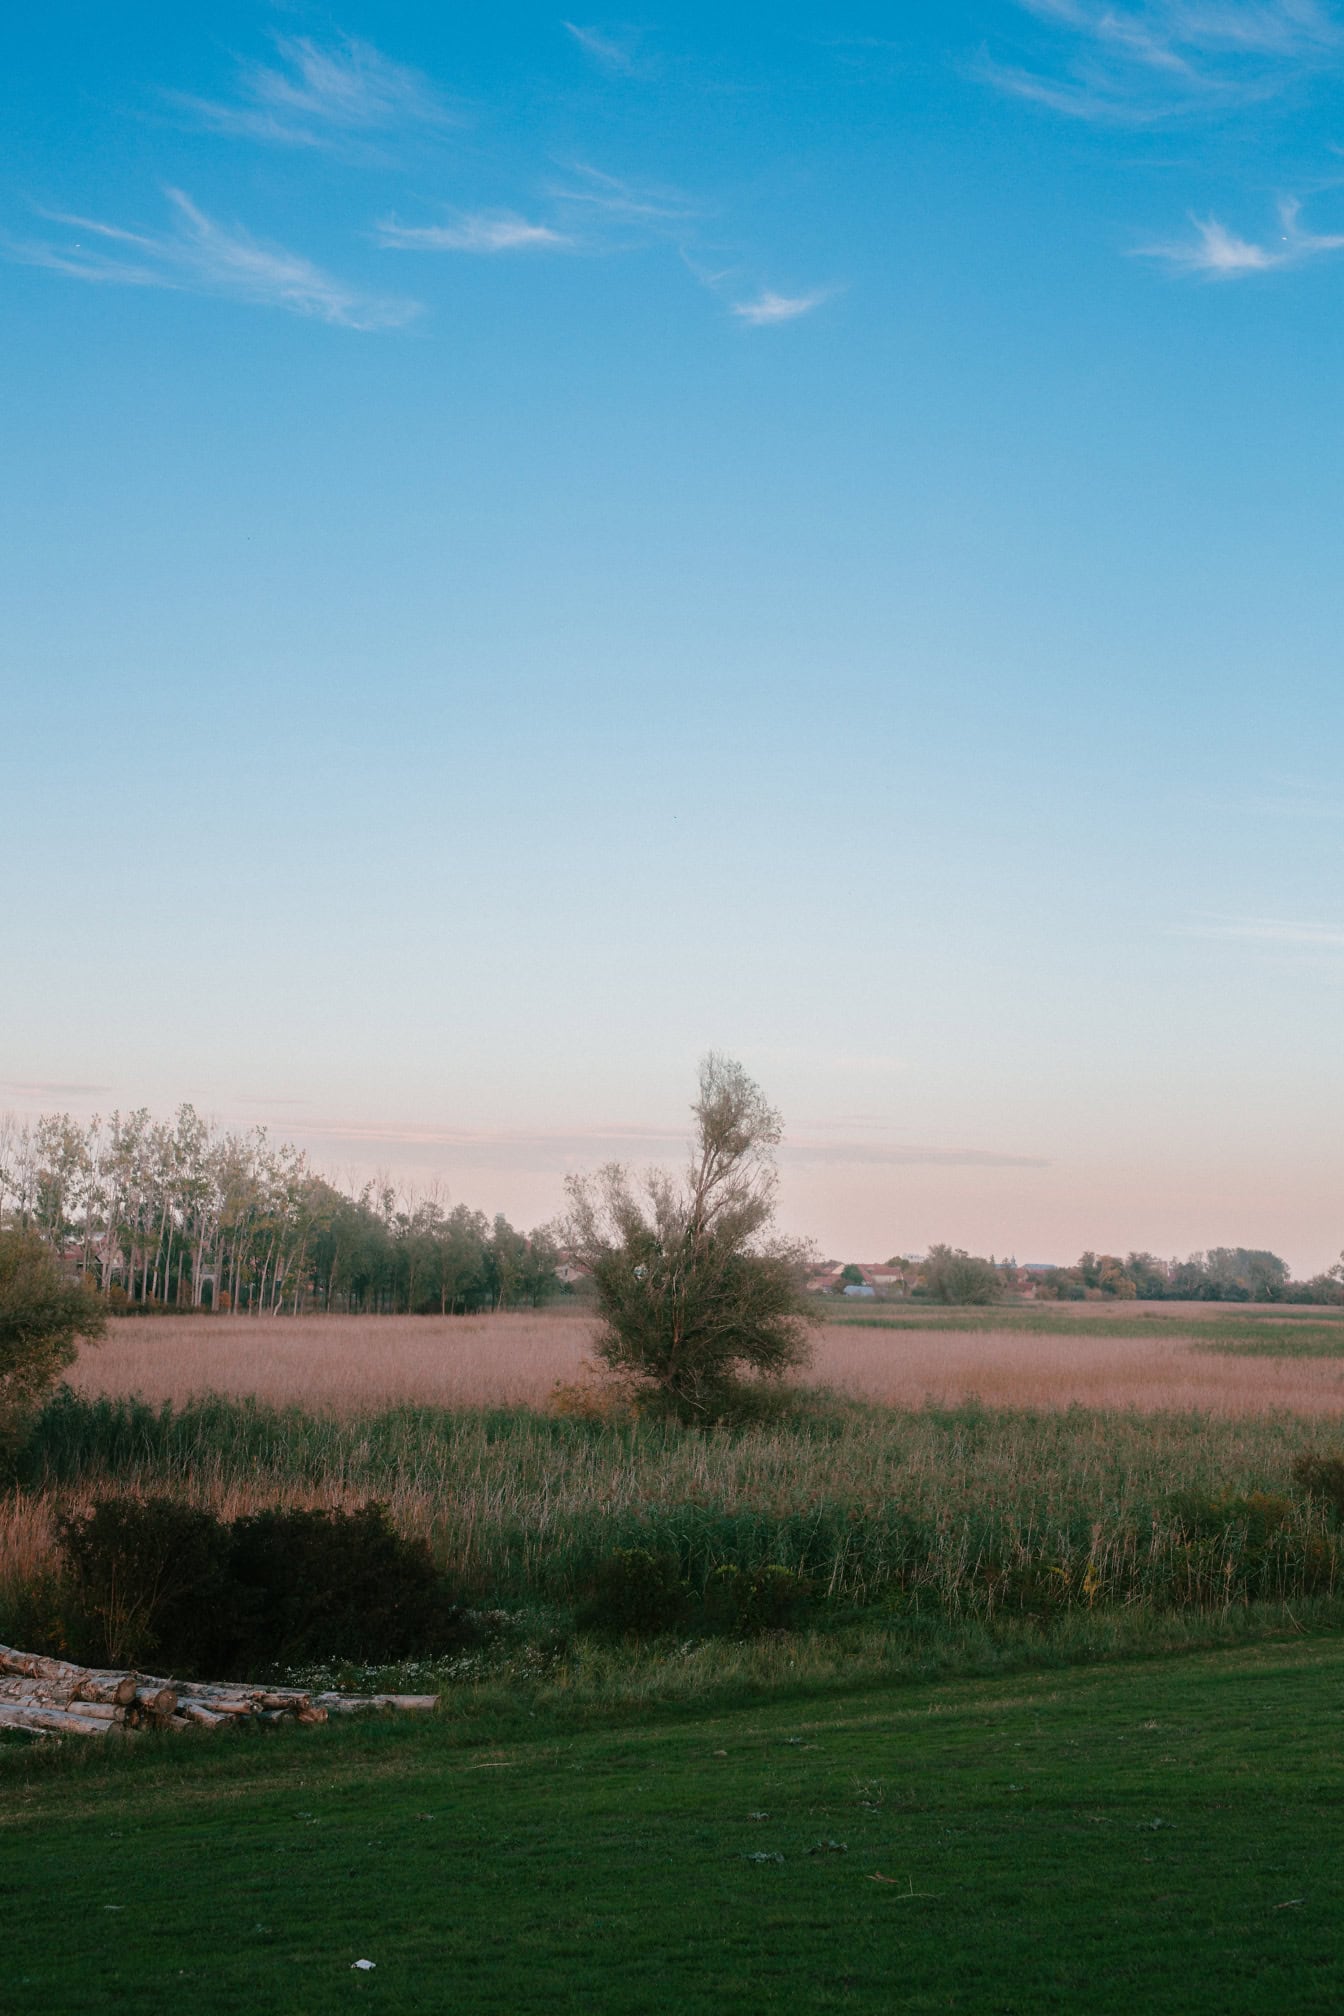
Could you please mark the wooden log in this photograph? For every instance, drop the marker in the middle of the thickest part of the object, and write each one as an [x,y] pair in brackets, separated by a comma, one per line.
[86,1699]
[352,1704]
[12,1688]
[58,1721]
[119,1688]
[155,1700]
[49,1694]
[96,1711]
[241,1690]
[43,1694]
[105,1683]
[192,1711]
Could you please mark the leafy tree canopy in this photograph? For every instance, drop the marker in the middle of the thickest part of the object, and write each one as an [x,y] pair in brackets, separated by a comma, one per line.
[43,1315]
[698,1300]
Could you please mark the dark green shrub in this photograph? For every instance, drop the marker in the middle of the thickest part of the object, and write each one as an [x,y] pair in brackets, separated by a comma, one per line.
[149,1580]
[153,1582]
[1321,1477]
[310,1586]
[748,1600]
[635,1594]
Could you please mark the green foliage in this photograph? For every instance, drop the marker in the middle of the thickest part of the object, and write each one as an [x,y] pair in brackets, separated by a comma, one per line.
[768,1598]
[698,1304]
[322,1585]
[155,1208]
[640,1593]
[157,1581]
[149,1578]
[636,1594]
[958,1513]
[952,1275]
[42,1317]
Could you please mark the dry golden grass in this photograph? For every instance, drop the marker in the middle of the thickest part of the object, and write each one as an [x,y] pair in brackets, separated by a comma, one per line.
[1007,1368]
[343,1365]
[349,1365]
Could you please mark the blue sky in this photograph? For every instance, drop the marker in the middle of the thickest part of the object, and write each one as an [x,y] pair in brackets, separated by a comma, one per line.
[535,547]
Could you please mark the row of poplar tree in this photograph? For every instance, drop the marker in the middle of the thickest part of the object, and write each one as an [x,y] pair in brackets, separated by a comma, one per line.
[183,1213]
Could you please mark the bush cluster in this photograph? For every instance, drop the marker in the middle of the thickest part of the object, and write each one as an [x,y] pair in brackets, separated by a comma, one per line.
[638,1594]
[155,1582]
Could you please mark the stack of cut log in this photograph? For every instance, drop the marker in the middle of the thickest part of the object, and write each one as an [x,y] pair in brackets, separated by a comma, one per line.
[58,1698]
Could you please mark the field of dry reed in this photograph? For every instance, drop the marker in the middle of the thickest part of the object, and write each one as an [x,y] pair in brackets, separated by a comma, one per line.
[351,1365]
[1044,1470]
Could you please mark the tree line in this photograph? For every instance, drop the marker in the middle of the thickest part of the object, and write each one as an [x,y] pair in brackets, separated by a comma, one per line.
[183,1214]
[1222,1274]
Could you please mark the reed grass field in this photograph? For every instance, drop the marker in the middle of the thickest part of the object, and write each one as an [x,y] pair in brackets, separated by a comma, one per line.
[1198,1355]
[1067,1473]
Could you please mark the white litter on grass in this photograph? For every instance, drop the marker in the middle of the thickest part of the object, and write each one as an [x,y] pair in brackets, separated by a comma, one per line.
[363,1965]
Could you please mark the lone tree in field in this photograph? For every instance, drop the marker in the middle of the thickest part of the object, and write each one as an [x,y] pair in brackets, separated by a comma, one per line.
[697,1299]
[42,1317]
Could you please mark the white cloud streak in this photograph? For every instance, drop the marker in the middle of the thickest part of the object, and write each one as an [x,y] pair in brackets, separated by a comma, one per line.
[768,307]
[1164,59]
[481,231]
[1315,937]
[198,256]
[50,1089]
[607,50]
[627,202]
[551,1152]
[1218,254]
[319,94]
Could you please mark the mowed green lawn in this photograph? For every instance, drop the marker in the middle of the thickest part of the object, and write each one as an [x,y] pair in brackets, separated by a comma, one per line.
[1140,1837]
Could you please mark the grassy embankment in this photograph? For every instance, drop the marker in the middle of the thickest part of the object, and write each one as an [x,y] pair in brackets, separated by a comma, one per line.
[1158,1836]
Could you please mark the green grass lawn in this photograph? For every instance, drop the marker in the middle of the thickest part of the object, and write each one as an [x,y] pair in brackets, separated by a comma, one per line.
[1159,1835]
[1304,1332]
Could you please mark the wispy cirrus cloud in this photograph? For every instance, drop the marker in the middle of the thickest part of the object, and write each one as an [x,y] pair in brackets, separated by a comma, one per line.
[561,1150]
[1162,59]
[1219,254]
[318,94]
[1309,935]
[825,1150]
[651,206]
[767,308]
[477,231]
[198,256]
[615,50]
[49,1088]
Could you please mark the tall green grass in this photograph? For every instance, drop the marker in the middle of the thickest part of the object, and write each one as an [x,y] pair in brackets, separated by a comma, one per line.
[963,1512]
